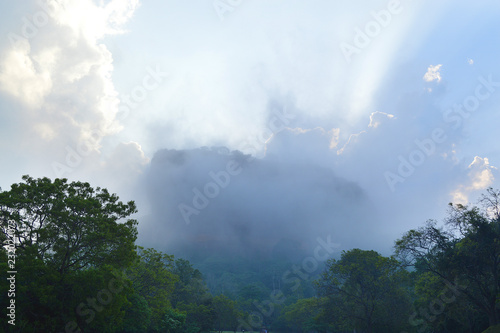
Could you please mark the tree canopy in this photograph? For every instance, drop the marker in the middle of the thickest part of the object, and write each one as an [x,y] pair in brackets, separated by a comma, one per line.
[80,270]
[464,254]
[69,226]
[71,241]
[362,286]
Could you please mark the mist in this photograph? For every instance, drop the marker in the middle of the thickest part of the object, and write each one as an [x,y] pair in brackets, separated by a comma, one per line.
[212,201]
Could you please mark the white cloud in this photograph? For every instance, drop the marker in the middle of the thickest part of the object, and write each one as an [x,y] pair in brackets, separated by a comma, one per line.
[91,20]
[481,173]
[26,76]
[59,80]
[433,73]
[377,117]
[334,141]
[123,167]
[353,139]
[479,177]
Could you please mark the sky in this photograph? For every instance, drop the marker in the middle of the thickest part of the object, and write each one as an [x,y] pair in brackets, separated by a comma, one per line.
[241,125]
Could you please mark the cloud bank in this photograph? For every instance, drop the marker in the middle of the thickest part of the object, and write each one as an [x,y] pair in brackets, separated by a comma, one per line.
[208,201]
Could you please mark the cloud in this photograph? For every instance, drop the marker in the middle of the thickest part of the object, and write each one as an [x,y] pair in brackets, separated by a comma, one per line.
[269,201]
[301,144]
[334,141]
[433,73]
[299,189]
[353,139]
[375,118]
[233,71]
[228,81]
[93,21]
[128,161]
[57,76]
[480,176]
[481,173]
[26,77]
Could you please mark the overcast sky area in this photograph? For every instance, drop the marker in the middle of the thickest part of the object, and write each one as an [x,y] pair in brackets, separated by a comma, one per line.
[238,124]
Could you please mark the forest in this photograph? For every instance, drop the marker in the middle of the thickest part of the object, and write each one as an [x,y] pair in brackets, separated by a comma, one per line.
[71,263]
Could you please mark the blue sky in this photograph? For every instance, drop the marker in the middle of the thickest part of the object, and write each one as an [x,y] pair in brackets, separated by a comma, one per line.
[92,90]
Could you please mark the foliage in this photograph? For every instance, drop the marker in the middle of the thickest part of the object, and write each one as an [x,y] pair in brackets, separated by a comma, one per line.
[69,226]
[304,315]
[80,270]
[362,287]
[226,313]
[71,240]
[465,256]
[173,321]
[191,296]
[152,278]
[199,315]
[137,315]
[190,286]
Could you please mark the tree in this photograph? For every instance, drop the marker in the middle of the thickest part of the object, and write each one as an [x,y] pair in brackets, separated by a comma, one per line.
[71,241]
[441,309]
[69,227]
[303,315]
[189,288]
[226,313]
[199,315]
[466,255]
[362,287]
[173,321]
[152,278]
[137,315]
[191,296]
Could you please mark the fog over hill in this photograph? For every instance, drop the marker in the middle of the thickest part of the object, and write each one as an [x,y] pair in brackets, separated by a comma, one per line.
[212,201]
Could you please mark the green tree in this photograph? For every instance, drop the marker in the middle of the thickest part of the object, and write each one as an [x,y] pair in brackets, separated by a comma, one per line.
[362,287]
[191,296]
[173,321]
[69,226]
[137,315]
[71,240]
[189,288]
[199,315]
[465,256]
[443,309]
[304,315]
[255,297]
[152,278]
[226,313]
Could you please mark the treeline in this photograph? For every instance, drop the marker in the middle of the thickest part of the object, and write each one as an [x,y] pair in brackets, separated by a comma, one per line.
[77,268]
[441,279]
